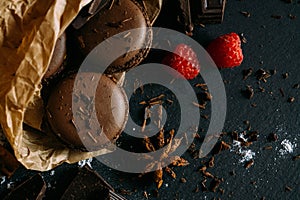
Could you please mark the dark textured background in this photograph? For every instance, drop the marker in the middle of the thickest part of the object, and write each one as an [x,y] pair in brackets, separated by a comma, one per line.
[271,44]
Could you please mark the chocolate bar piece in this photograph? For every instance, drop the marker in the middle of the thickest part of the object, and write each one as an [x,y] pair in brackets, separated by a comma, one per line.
[185,17]
[94,7]
[33,188]
[8,163]
[208,11]
[88,184]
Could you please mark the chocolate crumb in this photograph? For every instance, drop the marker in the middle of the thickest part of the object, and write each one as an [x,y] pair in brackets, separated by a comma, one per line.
[245,13]
[285,75]
[296,86]
[183,180]
[281,92]
[267,148]
[232,173]
[254,105]
[273,71]
[291,99]
[292,16]
[273,137]
[276,16]
[253,182]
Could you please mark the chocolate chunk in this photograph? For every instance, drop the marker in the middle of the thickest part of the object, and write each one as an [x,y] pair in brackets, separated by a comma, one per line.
[33,188]
[88,184]
[208,11]
[185,16]
[8,163]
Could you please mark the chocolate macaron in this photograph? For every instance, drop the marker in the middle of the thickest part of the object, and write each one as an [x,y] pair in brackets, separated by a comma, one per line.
[116,17]
[58,56]
[87,110]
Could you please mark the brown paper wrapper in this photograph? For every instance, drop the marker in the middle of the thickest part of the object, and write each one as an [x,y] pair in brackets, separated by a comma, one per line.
[28,33]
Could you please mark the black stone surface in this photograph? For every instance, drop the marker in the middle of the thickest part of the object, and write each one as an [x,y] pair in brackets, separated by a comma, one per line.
[271,44]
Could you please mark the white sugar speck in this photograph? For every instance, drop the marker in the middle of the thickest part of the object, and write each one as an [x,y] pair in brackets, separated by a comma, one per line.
[87,162]
[10,185]
[246,155]
[287,147]
[3,179]
[52,173]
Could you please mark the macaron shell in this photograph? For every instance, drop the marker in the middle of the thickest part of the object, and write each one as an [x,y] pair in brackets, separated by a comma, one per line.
[121,16]
[90,114]
[58,56]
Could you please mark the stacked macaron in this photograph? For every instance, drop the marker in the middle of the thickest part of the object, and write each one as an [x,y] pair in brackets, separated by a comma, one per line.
[87,110]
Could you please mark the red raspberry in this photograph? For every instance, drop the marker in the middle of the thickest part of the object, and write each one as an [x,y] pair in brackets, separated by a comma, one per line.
[184,60]
[226,51]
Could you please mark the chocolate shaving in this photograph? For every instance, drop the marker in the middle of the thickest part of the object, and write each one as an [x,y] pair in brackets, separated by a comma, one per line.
[296,86]
[249,164]
[158,175]
[288,188]
[296,157]
[201,106]
[170,172]
[211,162]
[247,73]
[203,185]
[215,184]
[245,13]
[276,16]
[248,92]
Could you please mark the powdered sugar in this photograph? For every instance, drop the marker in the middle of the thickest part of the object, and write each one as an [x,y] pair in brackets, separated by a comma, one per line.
[88,162]
[246,154]
[287,147]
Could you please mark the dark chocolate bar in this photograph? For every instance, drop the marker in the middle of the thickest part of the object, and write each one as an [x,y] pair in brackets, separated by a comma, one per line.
[185,17]
[94,7]
[88,184]
[34,188]
[208,11]
[8,163]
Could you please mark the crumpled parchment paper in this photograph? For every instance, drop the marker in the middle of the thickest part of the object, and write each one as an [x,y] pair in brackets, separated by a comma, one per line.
[28,33]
